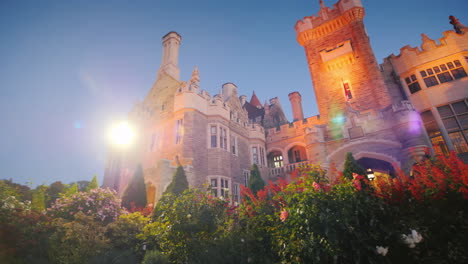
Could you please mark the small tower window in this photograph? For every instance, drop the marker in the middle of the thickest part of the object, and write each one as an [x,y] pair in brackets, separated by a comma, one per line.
[347,91]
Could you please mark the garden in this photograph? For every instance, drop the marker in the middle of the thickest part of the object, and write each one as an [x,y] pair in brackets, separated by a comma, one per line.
[417,218]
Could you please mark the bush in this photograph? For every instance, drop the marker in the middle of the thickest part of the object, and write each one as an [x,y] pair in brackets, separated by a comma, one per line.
[102,204]
[188,226]
[77,241]
[123,233]
[155,257]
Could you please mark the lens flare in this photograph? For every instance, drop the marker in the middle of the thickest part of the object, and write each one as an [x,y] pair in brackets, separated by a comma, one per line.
[122,134]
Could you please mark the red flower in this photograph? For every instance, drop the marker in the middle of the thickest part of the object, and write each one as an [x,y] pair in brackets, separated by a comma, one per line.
[284,215]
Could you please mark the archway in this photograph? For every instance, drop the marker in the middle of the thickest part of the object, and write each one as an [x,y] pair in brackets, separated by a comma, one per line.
[376,167]
[297,154]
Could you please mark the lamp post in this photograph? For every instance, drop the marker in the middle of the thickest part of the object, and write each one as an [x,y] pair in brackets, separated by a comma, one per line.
[370,174]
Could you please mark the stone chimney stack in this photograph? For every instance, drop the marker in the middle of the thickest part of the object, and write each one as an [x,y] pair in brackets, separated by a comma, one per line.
[296,104]
[170,55]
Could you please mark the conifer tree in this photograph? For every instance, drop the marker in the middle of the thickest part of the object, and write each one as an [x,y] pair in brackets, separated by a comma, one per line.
[93,184]
[38,202]
[351,166]
[256,182]
[179,182]
[135,193]
[71,190]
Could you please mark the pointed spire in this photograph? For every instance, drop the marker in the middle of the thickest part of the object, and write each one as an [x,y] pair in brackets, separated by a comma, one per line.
[254,101]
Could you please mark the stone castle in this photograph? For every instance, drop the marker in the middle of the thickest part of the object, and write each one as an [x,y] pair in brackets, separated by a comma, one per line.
[386,115]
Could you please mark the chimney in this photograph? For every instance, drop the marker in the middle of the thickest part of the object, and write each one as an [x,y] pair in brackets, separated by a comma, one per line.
[170,55]
[296,104]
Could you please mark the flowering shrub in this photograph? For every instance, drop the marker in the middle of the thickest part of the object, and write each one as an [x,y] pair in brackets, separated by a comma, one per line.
[77,241]
[189,226]
[102,204]
[23,232]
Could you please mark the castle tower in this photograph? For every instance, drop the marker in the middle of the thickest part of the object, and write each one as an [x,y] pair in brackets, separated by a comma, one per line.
[341,61]
[296,105]
[170,55]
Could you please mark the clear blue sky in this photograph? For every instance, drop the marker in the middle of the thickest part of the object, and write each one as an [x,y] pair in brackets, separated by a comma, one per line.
[69,68]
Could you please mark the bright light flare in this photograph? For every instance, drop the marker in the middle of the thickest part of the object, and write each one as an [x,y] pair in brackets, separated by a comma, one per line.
[122,134]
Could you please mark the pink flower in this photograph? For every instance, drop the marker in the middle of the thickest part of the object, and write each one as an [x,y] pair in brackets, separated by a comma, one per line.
[357,177]
[357,184]
[284,215]
[317,186]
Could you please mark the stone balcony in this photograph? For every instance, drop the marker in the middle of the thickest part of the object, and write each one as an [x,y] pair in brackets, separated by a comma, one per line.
[286,169]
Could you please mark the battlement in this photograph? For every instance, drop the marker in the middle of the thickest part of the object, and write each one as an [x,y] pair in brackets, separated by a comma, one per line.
[328,20]
[293,129]
[429,50]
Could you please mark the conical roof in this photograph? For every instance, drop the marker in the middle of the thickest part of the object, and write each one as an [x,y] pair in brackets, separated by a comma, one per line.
[254,101]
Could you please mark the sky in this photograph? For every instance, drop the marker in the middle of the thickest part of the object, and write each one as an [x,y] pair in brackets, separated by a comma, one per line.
[69,69]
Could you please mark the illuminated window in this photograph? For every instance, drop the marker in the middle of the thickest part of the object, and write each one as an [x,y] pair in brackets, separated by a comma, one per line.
[179,131]
[455,119]
[347,91]
[434,133]
[278,161]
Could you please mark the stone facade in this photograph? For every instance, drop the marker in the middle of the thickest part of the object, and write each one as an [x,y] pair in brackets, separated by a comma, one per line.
[363,109]
[434,78]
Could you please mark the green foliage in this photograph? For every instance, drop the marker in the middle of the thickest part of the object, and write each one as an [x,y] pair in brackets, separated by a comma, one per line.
[39,198]
[54,191]
[188,227]
[77,241]
[71,190]
[93,184]
[155,257]
[256,182]
[82,185]
[23,233]
[9,188]
[135,193]
[179,182]
[351,166]
[123,232]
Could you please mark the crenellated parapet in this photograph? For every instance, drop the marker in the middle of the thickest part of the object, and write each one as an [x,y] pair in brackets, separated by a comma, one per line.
[292,130]
[328,20]
[430,50]
[256,131]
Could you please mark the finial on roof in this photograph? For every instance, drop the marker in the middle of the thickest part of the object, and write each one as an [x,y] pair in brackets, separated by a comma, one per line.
[195,73]
[254,100]
[322,5]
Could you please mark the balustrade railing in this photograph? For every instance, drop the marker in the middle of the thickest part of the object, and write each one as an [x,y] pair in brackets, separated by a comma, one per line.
[288,168]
